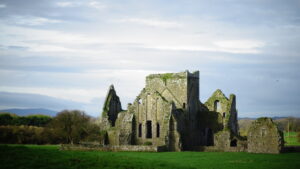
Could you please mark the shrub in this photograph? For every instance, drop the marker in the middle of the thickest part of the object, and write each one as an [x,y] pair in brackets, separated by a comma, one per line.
[67,127]
[27,135]
[72,126]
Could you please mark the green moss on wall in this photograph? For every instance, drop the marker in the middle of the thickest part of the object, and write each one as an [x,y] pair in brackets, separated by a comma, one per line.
[226,105]
[148,143]
[166,76]
[106,105]
[217,95]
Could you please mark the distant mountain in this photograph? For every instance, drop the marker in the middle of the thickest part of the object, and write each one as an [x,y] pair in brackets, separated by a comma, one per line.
[278,118]
[25,112]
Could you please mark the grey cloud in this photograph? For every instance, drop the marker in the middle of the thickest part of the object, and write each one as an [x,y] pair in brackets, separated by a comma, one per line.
[17,48]
[28,7]
[267,81]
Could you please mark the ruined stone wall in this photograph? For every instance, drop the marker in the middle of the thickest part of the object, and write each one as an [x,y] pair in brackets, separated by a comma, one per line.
[193,130]
[227,141]
[113,136]
[111,108]
[178,133]
[138,148]
[151,107]
[233,119]
[193,93]
[168,112]
[222,139]
[264,137]
[122,132]
[164,92]
[172,86]
[226,108]
[124,125]
[155,102]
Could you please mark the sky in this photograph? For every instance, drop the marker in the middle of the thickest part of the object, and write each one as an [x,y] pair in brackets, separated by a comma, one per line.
[64,54]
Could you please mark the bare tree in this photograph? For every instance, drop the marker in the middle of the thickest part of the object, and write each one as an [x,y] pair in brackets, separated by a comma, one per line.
[71,125]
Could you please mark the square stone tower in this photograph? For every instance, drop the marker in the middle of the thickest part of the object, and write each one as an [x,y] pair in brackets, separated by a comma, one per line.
[163,95]
[181,88]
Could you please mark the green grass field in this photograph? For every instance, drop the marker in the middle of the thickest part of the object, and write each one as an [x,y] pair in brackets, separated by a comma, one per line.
[48,157]
[291,139]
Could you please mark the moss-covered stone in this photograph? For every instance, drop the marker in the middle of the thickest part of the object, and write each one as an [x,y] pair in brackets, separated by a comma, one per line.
[264,137]
[111,108]
[168,113]
[219,103]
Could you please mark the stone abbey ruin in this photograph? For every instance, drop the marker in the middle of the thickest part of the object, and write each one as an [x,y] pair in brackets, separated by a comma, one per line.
[167,115]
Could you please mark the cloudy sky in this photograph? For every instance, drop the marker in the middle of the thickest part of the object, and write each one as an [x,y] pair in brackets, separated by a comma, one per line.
[61,54]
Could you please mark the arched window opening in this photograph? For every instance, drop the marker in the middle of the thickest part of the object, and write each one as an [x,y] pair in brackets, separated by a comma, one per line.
[233,143]
[140,130]
[224,115]
[217,105]
[157,130]
[149,129]
[183,105]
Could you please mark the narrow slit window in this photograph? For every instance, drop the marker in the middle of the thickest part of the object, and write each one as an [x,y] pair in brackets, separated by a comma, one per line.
[157,130]
[140,130]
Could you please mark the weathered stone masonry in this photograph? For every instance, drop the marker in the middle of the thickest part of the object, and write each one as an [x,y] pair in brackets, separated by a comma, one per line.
[168,113]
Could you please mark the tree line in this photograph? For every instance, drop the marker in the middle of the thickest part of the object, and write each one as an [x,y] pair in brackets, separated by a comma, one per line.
[68,126]
[31,120]
[289,124]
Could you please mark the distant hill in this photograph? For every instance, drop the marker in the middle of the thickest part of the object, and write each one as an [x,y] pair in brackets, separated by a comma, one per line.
[253,118]
[25,112]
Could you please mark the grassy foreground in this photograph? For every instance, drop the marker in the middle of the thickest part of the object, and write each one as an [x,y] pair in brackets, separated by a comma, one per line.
[291,139]
[48,157]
